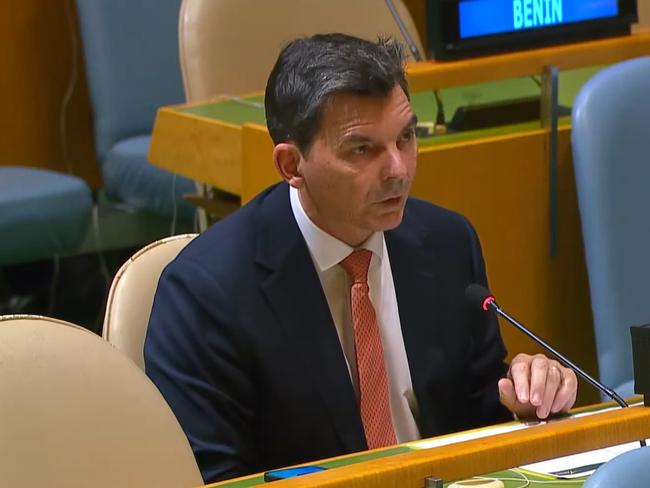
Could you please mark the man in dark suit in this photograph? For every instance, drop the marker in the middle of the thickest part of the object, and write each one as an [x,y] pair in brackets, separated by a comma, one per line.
[270,345]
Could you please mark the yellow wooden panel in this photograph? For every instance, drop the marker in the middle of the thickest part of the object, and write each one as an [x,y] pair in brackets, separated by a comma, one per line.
[258,169]
[199,148]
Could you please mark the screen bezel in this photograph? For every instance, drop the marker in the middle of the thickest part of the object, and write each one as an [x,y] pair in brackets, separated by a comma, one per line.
[445,41]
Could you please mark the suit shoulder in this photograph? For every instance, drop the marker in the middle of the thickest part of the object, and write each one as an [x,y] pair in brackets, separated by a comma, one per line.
[228,247]
[224,240]
[431,215]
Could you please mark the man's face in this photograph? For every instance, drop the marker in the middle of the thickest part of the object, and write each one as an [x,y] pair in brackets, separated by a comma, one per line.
[357,175]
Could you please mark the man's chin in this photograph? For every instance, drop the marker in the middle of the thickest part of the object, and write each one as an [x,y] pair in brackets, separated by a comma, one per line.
[390,220]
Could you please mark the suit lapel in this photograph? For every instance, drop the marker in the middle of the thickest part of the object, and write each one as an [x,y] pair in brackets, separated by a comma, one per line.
[296,297]
[419,292]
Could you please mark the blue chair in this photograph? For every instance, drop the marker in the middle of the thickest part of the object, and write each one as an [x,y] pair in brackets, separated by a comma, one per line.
[43,214]
[627,469]
[132,67]
[611,157]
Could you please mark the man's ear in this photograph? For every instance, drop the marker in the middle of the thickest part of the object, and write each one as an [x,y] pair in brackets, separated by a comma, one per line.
[287,159]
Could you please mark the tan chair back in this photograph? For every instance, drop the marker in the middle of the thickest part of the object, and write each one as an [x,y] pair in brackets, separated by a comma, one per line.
[131,295]
[229,46]
[75,412]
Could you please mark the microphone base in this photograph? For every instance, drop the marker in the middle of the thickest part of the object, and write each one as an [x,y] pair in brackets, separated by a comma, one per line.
[494,114]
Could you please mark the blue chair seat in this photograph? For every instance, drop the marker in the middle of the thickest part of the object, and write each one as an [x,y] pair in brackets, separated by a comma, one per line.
[130,178]
[627,469]
[42,213]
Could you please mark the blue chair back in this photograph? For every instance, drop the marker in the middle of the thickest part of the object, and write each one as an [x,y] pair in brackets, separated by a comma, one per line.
[627,469]
[611,155]
[132,66]
[131,55]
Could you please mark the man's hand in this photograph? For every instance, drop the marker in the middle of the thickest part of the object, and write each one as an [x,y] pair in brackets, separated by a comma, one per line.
[537,386]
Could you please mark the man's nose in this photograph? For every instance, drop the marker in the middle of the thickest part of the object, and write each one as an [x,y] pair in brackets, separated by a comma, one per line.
[396,166]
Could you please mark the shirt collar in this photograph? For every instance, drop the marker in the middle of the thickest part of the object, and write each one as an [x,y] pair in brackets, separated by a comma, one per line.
[326,250]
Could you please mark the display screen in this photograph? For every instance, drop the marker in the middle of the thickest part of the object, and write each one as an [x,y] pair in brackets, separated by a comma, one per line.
[486,17]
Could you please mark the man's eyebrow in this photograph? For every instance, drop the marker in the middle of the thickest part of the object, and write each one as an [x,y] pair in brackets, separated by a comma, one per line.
[412,123]
[357,138]
[354,138]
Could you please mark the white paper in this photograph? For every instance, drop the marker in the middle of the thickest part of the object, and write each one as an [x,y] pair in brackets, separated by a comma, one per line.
[582,459]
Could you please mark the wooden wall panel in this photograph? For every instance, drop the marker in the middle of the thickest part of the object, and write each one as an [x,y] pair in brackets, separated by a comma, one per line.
[41,61]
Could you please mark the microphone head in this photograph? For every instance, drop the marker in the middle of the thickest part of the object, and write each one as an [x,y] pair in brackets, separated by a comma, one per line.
[478,295]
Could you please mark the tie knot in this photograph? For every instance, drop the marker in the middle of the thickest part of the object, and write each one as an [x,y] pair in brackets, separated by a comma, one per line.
[357,264]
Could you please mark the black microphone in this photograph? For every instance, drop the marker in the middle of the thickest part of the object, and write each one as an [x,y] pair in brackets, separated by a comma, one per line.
[478,295]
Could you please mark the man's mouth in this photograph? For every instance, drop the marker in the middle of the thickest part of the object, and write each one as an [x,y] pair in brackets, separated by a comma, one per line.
[392,200]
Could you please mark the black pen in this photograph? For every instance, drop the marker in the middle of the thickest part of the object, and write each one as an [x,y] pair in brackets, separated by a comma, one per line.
[577,470]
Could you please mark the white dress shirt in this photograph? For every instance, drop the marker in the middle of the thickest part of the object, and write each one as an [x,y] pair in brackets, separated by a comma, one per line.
[327,252]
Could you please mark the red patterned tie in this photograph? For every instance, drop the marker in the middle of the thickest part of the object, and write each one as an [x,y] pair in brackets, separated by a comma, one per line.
[373,383]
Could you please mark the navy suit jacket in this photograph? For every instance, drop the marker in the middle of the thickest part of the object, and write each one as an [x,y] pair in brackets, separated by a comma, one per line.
[242,345]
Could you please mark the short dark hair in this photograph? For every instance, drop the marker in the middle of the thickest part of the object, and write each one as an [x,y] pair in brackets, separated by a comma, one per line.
[310,70]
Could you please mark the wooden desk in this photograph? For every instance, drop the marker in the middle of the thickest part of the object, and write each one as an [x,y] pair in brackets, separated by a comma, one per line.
[200,145]
[194,141]
[498,178]
[408,468]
